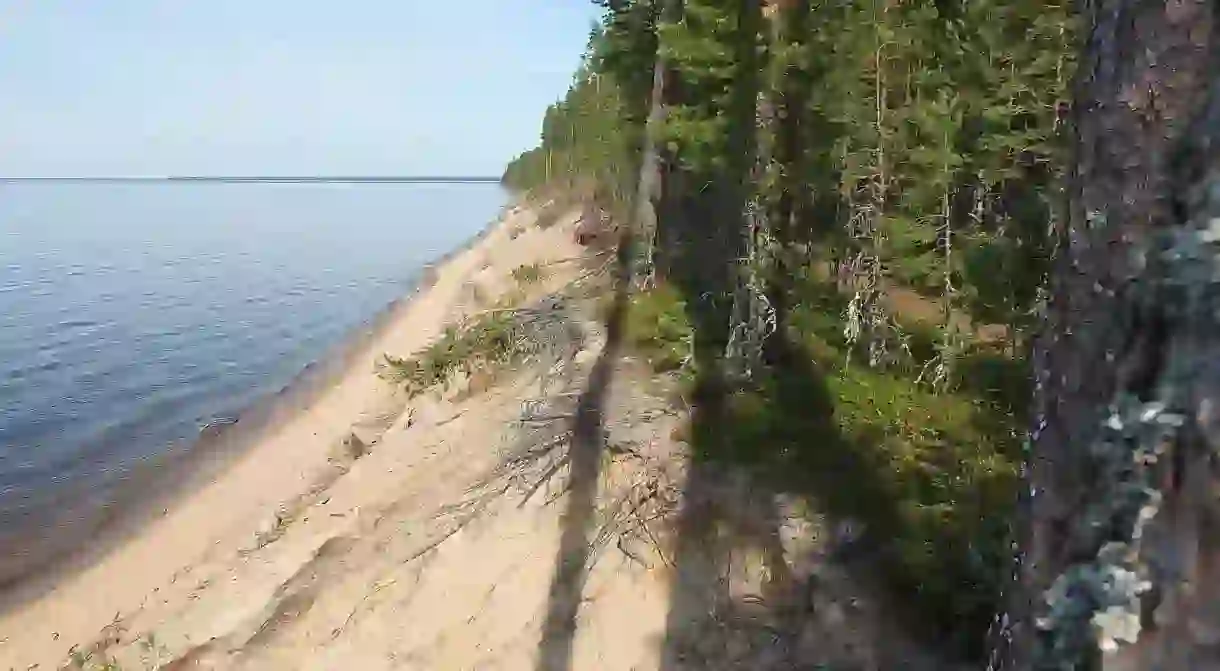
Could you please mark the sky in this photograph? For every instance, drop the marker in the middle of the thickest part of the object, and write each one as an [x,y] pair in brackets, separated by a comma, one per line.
[296,87]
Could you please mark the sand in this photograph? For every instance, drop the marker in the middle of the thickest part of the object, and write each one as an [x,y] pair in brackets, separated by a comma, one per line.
[206,534]
[371,531]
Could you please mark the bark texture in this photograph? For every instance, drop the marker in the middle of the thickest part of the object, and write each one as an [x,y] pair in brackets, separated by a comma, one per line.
[1142,81]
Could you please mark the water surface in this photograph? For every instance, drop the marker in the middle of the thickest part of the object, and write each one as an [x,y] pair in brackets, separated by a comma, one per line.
[131,314]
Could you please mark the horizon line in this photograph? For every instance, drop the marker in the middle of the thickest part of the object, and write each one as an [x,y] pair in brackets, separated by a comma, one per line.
[253,178]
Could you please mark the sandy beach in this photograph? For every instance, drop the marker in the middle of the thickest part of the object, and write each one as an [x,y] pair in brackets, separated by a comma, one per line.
[210,528]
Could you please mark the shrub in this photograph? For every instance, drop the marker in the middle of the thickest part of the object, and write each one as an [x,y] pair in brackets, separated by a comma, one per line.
[528,275]
[486,342]
[658,328]
[932,476]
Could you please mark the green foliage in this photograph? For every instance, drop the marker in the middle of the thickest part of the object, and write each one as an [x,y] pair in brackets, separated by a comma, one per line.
[937,121]
[929,474]
[700,49]
[528,275]
[487,342]
[658,328]
[590,143]
[626,45]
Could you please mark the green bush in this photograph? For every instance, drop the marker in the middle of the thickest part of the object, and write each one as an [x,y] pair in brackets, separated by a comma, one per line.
[658,328]
[528,275]
[919,469]
[484,343]
[931,475]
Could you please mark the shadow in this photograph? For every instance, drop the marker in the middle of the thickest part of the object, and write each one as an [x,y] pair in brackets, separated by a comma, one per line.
[870,449]
[999,379]
[748,448]
[588,440]
[731,595]
[803,429]
[1001,386]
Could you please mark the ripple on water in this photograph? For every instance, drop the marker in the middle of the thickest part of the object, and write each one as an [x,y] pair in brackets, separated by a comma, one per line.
[118,340]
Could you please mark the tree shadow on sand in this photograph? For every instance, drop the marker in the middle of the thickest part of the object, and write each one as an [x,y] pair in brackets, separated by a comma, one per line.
[586,446]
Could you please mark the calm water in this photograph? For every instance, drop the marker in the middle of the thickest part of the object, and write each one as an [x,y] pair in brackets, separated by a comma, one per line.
[132,314]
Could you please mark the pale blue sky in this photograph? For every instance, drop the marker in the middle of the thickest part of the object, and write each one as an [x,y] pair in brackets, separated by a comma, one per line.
[139,87]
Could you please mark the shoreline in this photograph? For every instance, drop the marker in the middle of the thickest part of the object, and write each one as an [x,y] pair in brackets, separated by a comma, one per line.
[309,550]
[159,485]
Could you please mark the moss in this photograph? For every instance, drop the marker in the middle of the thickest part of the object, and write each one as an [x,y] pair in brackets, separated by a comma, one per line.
[1098,602]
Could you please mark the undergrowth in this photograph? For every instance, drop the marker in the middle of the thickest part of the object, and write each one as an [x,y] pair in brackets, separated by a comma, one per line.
[528,275]
[484,343]
[930,475]
[658,328]
[542,334]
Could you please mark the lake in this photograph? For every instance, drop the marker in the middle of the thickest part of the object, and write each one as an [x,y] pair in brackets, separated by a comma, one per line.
[133,314]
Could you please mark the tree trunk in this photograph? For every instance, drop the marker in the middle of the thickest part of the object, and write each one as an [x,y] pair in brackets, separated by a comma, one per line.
[649,195]
[791,22]
[735,228]
[669,206]
[1141,81]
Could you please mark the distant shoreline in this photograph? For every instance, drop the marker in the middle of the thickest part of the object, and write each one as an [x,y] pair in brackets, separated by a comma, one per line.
[266,179]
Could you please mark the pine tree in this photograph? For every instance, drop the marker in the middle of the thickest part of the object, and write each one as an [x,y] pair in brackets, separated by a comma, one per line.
[916,143]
